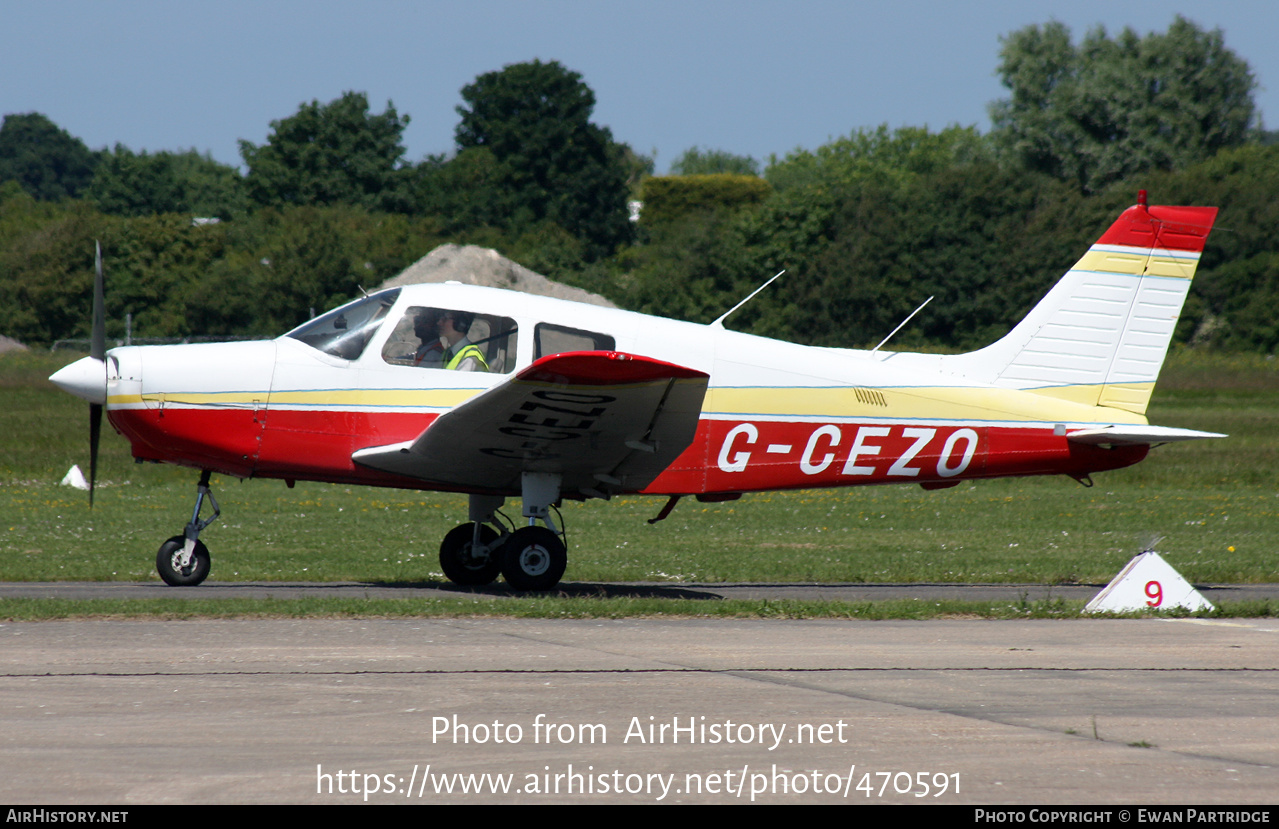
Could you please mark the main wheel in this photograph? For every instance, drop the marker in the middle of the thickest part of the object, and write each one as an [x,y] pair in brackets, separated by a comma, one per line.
[166,562]
[462,563]
[533,558]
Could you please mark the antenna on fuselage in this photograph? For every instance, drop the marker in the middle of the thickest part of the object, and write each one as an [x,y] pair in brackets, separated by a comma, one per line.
[719,323]
[902,324]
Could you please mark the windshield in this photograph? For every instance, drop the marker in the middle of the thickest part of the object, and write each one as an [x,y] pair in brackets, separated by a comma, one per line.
[344,332]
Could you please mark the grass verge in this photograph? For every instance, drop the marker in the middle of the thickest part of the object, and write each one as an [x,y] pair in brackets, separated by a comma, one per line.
[1214,504]
[536,607]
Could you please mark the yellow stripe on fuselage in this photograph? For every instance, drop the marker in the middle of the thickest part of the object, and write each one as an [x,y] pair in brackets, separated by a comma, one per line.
[1131,397]
[1065,404]
[922,403]
[344,398]
[377,398]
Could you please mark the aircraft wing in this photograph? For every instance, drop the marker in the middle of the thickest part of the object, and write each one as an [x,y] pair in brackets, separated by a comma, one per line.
[606,421]
[1130,435]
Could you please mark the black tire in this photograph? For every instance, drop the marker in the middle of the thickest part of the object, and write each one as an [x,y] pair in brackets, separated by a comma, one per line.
[459,563]
[167,566]
[533,558]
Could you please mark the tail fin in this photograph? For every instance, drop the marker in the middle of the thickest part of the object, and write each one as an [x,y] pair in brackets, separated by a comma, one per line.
[1100,335]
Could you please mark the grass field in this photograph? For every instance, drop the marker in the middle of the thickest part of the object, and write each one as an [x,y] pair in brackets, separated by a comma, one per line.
[1213,503]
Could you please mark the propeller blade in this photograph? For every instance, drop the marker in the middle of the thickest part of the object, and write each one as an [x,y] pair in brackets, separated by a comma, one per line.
[98,338]
[95,432]
[87,377]
[98,351]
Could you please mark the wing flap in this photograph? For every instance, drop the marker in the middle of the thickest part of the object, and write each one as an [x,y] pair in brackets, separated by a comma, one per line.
[605,421]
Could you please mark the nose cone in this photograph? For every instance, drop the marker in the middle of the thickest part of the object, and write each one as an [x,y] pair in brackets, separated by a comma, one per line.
[85,378]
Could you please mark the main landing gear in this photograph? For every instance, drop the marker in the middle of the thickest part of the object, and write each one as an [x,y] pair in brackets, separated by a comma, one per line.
[183,560]
[529,558]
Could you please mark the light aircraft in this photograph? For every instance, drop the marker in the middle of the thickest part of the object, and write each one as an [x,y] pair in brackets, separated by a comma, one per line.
[574,401]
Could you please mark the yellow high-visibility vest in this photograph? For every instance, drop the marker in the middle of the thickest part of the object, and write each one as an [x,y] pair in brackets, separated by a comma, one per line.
[471,350]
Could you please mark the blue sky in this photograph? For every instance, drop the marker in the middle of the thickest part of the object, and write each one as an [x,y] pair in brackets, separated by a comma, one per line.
[753,77]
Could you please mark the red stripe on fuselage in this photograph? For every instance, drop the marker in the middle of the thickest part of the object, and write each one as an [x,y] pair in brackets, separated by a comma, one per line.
[225,441]
[747,456]
[315,445]
[726,456]
[304,445]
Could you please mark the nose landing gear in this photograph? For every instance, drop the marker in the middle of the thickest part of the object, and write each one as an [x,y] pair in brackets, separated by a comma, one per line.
[183,560]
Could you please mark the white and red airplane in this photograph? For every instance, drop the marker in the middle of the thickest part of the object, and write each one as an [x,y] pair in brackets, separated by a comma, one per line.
[564,400]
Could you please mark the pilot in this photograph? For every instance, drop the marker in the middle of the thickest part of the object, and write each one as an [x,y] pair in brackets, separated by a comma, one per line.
[461,354]
[426,327]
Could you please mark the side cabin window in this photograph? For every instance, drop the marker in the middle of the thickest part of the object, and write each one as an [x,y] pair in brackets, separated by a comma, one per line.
[551,339]
[449,338]
[344,332]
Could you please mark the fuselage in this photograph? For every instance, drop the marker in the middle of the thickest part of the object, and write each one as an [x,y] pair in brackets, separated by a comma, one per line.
[776,415]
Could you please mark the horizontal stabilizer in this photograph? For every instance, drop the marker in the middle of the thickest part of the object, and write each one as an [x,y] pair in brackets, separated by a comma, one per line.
[606,421]
[1134,435]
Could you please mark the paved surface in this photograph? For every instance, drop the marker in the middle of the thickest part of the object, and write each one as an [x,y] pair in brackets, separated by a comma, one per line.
[1080,711]
[820,592]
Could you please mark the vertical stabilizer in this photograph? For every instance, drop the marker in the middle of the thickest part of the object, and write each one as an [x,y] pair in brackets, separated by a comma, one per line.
[1100,335]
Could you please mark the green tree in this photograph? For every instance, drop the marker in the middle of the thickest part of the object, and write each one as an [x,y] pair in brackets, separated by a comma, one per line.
[154,264]
[45,159]
[694,269]
[142,184]
[695,162]
[708,246]
[1098,112]
[282,265]
[880,154]
[639,167]
[334,153]
[46,266]
[985,241]
[550,161]
[465,192]
[668,199]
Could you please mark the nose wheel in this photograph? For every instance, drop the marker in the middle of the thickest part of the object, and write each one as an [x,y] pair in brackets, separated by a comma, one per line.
[183,560]
[177,568]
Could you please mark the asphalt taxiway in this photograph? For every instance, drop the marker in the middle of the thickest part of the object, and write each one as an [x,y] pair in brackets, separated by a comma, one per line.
[432,711]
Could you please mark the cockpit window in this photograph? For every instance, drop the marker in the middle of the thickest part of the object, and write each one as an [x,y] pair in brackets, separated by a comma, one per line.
[450,338]
[344,332]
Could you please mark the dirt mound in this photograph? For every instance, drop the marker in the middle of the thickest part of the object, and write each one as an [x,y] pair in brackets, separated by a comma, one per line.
[474,265]
[10,344]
